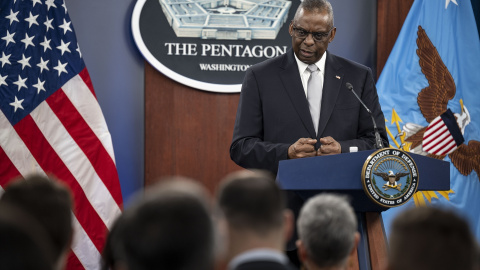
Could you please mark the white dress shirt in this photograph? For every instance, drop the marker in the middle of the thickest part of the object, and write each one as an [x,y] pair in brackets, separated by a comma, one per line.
[305,74]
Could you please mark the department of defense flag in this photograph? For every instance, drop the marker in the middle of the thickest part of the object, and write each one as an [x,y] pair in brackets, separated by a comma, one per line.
[429,90]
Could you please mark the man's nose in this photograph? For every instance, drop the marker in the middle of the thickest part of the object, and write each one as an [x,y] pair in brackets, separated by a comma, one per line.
[309,39]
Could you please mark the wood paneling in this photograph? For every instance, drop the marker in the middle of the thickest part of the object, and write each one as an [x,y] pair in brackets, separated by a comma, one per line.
[377,245]
[390,17]
[187,131]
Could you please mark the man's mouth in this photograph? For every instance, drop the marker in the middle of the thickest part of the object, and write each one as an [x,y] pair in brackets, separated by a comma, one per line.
[306,53]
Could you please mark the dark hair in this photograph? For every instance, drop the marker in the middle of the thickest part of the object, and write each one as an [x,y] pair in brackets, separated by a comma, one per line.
[316,5]
[431,238]
[169,229]
[24,243]
[252,201]
[113,253]
[49,202]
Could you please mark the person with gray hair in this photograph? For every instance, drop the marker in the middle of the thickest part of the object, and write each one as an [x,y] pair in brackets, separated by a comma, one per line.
[327,228]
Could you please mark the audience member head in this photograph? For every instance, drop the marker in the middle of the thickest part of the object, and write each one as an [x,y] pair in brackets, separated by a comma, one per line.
[169,228]
[327,229]
[430,238]
[113,255]
[50,203]
[24,244]
[255,211]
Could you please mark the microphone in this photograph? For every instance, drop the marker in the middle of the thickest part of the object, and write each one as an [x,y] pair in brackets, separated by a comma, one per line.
[378,140]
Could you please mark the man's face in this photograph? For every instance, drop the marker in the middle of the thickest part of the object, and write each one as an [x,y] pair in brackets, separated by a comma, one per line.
[309,50]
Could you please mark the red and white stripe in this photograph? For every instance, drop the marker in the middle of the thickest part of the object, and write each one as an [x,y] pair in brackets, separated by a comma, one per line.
[437,139]
[67,136]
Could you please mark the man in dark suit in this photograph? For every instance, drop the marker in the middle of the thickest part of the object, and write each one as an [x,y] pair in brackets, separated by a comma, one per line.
[275,111]
[257,221]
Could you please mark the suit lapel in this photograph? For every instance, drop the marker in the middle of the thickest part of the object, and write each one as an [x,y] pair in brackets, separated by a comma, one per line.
[331,87]
[293,85]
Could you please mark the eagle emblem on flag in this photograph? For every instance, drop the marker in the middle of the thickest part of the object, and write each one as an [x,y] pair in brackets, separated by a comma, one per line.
[444,134]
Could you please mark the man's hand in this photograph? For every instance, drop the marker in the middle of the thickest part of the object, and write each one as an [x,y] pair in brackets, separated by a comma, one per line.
[328,147]
[304,147]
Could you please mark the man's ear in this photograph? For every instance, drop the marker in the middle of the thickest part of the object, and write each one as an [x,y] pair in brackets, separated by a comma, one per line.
[353,253]
[332,34]
[302,251]
[356,241]
[288,220]
[290,28]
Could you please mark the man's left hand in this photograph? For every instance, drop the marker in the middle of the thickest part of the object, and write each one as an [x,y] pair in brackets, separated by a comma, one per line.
[329,146]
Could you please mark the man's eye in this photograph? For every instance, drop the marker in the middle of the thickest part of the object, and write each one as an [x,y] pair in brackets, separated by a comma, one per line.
[301,32]
[319,35]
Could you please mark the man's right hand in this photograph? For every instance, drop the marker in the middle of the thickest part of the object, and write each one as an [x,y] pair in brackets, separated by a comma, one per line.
[304,147]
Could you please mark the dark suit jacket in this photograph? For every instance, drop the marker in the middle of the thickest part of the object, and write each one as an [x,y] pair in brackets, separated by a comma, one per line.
[264,265]
[273,110]
[273,113]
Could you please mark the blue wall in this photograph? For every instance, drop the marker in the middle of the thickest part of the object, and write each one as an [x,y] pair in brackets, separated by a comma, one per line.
[117,71]
[356,37]
[117,68]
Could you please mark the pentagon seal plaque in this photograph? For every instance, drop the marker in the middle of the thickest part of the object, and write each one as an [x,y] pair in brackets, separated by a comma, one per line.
[390,177]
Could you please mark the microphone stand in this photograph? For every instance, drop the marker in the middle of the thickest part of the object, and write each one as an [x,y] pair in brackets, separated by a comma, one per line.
[378,140]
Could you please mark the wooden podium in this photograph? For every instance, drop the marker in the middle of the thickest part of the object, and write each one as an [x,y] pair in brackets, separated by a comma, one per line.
[341,174]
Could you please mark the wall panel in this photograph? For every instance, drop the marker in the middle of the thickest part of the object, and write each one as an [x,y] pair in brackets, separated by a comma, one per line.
[187,131]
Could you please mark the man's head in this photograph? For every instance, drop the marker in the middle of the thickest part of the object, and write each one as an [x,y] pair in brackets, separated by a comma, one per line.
[252,201]
[327,229]
[255,211]
[169,228]
[50,203]
[113,254]
[312,29]
[24,244]
[431,238]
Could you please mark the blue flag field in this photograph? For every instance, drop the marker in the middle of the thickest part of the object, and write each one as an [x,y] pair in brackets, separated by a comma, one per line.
[435,66]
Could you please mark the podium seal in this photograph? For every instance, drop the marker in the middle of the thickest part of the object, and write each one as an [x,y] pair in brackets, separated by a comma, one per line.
[390,177]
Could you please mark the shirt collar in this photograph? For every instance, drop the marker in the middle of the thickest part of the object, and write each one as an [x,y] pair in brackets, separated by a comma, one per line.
[259,254]
[320,63]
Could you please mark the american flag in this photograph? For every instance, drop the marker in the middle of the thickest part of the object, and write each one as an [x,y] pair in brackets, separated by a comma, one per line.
[51,122]
[442,135]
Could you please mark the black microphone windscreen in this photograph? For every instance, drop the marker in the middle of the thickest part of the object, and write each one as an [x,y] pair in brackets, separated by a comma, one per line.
[349,86]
